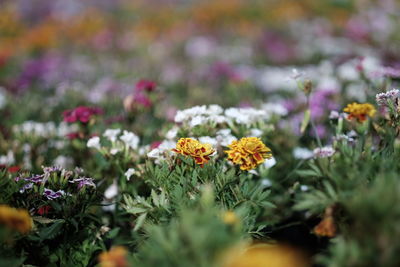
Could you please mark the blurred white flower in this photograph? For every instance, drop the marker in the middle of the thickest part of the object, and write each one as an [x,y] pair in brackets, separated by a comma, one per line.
[114,150]
[172,133]
[269,163]
[8,159]
[112,134]
[129,173]
[256,132]
[208,140]
[3,99]
[111,191]
[130,139]
[94,142]
[302,153]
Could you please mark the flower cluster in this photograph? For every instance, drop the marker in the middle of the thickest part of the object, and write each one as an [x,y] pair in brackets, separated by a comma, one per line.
[190,147]
[323,152]
[360,112]
[119,142]
[141,96]
[248,152]
[17,219]
[81,114]
[54,183]
[383,98]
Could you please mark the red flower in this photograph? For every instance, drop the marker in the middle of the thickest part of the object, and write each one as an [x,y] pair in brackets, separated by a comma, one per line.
[44,210]
[82,114]
[13,169]
[145,85]
[72,136]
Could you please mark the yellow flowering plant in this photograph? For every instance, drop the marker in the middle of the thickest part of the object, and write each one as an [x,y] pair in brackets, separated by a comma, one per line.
[15,219]
[190,147]
[360,112]
[248,152]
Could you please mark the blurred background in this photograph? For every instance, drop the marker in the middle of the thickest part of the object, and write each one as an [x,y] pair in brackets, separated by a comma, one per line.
[229,52]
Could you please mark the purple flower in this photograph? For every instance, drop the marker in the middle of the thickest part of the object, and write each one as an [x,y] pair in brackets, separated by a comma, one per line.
[26,187]
[50,194]
[83,181]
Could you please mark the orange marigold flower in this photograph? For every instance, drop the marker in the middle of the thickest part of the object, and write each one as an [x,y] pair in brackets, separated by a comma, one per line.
[116,257]
[17,219]
[190,147]
[360,112]
[248,152]
[327,226]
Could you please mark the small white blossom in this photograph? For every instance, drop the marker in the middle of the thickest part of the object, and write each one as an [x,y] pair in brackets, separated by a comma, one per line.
[269,163]
[94,142]
[129,173]
[111,191]
[130,139]
[112,134]
[256,132]
[302,153]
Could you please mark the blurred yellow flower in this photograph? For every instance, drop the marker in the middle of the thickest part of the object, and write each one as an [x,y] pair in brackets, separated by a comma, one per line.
[230,217]
[248,152]
[17,219]
[264,255]
[359,111]
[116,257]
[190,147]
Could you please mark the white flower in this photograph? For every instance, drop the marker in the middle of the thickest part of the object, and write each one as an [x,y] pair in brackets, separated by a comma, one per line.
[112,134]
[323,152]
[275,108]
[256,132]
[94,142]
[208,140]
[269,163]
[266,182]
[3,99]
[114,150]
[303,188]
[154,153]
[302,153]
[129,173]
[172,133]
[197,120]
[130,139]
[7,159]
[111,191]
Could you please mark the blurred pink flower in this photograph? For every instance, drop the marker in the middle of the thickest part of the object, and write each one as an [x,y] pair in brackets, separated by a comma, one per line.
[82,114]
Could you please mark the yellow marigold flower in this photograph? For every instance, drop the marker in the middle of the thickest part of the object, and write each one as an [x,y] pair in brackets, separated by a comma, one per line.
[264,255]
[190,147]
[116,257]
[359,111]
[230,217]
[17,219]
[248,152]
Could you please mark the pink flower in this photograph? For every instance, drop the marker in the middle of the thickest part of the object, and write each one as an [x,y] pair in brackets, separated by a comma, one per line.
[145,85]
[82,114]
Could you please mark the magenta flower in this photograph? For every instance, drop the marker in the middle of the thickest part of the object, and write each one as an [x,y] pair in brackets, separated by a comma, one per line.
[82,114]
[145,85]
